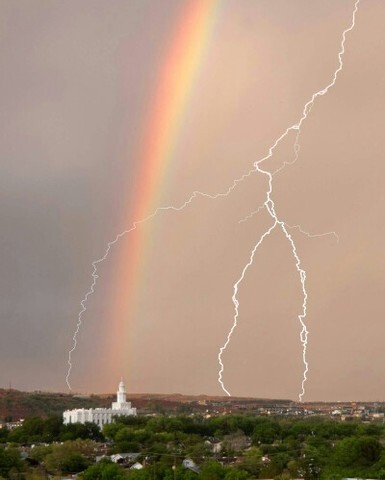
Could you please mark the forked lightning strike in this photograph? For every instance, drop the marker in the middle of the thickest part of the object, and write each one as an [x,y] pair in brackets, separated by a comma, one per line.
[270,207]
[291,227]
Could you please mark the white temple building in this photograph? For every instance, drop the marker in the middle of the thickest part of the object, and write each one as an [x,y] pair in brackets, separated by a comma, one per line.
[101,416]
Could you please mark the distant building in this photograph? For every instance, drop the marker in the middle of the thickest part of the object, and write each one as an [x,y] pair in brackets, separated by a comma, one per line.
[214,444]
[191,465]
[12,425]
[102,416]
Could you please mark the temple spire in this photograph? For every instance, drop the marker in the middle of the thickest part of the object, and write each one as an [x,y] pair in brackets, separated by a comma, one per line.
[121,393]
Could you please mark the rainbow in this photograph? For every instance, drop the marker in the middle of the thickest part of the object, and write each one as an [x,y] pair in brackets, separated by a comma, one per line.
[160,132]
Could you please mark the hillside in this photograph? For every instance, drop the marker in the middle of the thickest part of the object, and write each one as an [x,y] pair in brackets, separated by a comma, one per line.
[15,404]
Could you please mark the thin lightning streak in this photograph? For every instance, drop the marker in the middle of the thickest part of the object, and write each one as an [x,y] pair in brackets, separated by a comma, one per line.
[270,206]
[313,235]
[304,333]
[236,305]
[296,148]
[251,215]
[291,227]
[95,263]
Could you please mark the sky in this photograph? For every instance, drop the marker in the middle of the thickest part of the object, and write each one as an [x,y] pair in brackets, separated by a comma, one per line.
[81,87]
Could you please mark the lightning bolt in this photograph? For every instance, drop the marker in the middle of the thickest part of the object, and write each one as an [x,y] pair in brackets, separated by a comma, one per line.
[96,263]
[291,227]
[269,204]
[251,215]
[313,235]
[270,207]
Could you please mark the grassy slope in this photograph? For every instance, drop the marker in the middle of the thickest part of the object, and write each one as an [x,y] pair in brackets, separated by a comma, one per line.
[16,404]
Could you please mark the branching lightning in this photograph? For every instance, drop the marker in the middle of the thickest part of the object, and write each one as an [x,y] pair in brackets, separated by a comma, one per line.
[251,215]
[313,235]
[291,227]
[270,206]
[236,303]
[96,263]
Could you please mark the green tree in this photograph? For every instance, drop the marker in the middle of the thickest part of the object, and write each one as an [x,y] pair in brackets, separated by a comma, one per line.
[105,470]
[144,474]
[283,476]
[212,471]
[111,429]
[65,461]
[252,461]
[70,457]
[9,460]
[237,474]
[266,431]
[40,452]
[357,451]
[293,467]
[52,428]
[4,432]
[310,464]
[88,430]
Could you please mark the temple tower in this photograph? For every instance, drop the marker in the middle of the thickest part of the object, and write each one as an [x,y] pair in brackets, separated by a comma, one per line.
[121,399]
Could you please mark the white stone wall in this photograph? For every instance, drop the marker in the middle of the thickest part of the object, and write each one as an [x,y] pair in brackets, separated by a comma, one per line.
[101,416]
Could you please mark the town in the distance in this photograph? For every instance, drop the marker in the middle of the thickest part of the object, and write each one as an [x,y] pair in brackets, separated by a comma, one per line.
[175,437]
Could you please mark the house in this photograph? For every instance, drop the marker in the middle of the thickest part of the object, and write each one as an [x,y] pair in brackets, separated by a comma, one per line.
[214,444]
[124,457]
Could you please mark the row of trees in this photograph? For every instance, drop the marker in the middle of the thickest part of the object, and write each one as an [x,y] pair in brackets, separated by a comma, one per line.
[37,430]
[251,447]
